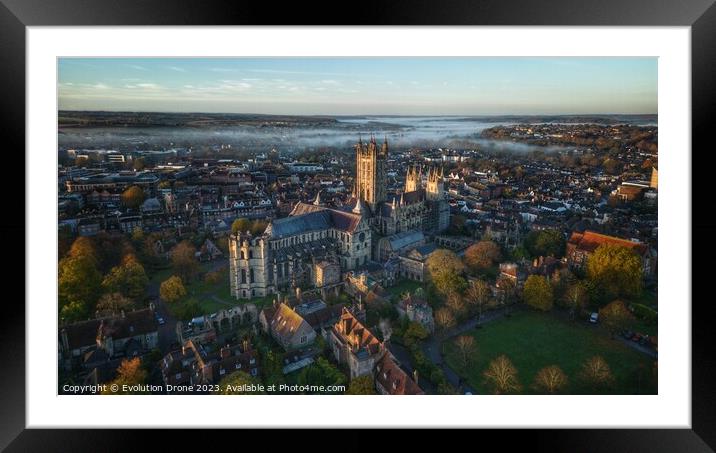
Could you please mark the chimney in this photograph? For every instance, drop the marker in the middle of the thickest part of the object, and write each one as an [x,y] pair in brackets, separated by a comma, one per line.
[298,294]
[246,345]
[415,376]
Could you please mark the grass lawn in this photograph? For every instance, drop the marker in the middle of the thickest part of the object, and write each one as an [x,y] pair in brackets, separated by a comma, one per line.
[534,340]
[403,286]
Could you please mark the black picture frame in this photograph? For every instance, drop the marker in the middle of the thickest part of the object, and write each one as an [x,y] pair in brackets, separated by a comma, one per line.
[700,15]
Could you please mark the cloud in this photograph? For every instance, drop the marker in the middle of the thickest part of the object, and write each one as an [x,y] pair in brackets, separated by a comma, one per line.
[138,68]
[177,69]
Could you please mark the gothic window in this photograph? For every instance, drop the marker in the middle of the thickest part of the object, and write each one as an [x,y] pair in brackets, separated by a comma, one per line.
[243,275]
[242,255]
[251,275]
[251,253]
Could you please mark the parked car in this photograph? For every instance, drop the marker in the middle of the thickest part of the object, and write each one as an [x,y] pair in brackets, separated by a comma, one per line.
[627,334]
[594,318]
[636,337]
[644,340]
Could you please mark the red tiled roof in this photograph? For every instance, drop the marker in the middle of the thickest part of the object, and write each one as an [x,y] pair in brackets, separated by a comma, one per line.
[393,379]
[589,241]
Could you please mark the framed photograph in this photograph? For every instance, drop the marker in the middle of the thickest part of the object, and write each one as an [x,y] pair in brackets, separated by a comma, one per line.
[449,219]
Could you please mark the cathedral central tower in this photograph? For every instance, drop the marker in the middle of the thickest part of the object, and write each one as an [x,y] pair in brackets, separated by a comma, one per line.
[370,172]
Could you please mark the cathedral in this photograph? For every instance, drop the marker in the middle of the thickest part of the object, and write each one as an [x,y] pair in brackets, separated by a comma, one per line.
[293,250]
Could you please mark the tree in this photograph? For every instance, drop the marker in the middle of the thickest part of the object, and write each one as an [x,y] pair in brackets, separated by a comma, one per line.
[138,235]
[362,385]
[575,298]
[258,227]
[466,345]
[172,289]
[129,278]
[616,317]
[545,243]
[615,271]
[272,368]
[445,271]
[133,197]
[84,247]
[550,379]
[538,293]
[457,304]
[78,284]
[482,255]
[239,383]
[213,277]
[130,372]
[596,372]
[184,260]
[114,303]
[478,294]
[501,376]
[164,185]
[445,318]
[414,333]
[508,290]
[321,372]
[64,240]
[240,225]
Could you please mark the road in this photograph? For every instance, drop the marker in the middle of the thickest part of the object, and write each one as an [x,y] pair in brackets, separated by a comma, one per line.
[433,346]
[167,331]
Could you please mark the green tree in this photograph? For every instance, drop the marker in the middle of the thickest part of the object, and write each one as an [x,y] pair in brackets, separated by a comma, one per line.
[538,293]
[482,255]
[73,311]
[172,289]
[184,260]
[575,298]
[78,284]
[550,379]
[616,317]
[321,372]
[545,243]
[615,271]
[138,235]
[501,376]
[64,240]
[133,197]
[129,279]
[258,227]
[272,368]
[240,225]
[130,372]
[362,385]
[414,333]
[239,383]
[114,303]
[445,270]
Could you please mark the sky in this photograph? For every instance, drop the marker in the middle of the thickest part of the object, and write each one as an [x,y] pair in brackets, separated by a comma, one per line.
[362,86]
